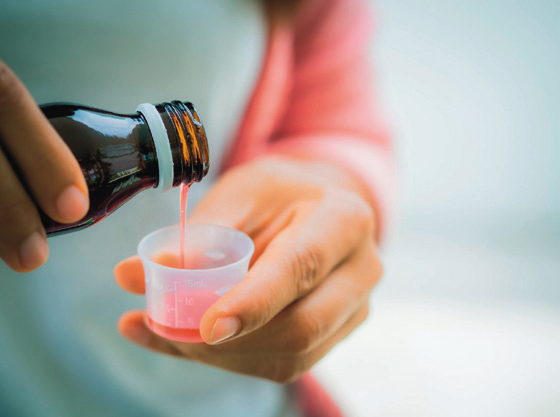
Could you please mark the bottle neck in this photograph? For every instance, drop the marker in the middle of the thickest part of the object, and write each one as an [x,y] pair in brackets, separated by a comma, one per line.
[179,140]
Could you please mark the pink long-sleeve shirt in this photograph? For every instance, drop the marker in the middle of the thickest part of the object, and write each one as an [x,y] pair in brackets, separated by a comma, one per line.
[315,96]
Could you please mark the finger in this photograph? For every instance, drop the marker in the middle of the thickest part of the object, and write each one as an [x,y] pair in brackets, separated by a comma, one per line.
[320,236]
[129,274]
[43,160]
[286,369]
[23,245]
[132,325]
[278,368]
[313,319]
[274,367]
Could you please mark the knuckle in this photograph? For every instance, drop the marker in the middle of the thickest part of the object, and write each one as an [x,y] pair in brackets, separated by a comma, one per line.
[372,271]
[304,263]
[263,309]
[355,211]
[306,333]
[362,213]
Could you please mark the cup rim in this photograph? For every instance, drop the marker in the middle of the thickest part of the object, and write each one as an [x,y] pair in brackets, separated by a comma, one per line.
[216,226]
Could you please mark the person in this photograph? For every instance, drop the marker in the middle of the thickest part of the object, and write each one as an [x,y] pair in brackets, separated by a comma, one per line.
[300,161]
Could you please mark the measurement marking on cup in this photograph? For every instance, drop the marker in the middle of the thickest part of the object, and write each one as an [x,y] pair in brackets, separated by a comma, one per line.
[187,301]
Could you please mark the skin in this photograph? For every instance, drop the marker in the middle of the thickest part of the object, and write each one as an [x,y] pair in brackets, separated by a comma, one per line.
[308,287]
[35,166]
[313,225]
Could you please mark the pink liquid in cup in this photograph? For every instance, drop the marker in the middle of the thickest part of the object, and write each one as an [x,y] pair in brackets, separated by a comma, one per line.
[190,306]
[215,259]
[183,307]
[180,335]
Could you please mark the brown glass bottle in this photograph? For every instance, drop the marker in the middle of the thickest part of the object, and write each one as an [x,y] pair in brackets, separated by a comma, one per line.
[161,146]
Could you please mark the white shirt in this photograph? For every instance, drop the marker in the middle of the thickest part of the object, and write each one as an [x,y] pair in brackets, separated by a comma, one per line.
[60,352]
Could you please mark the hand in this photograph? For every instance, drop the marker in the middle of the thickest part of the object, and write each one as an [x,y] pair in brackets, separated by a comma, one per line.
[36,166]
[308,287]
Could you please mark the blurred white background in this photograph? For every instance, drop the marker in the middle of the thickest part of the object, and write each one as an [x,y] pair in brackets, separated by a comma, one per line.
[466,321]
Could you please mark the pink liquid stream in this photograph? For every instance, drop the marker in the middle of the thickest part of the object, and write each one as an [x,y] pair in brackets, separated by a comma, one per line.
[180,334]
[183,219]
[204,300]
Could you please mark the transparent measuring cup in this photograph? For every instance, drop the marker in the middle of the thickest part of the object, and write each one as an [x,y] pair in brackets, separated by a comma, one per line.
[217,258]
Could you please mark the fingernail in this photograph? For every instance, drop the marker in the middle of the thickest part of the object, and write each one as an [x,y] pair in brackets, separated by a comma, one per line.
[71,205]
[34,251]
[224,329]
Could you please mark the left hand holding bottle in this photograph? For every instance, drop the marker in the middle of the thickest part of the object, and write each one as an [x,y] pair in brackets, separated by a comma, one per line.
[308,287]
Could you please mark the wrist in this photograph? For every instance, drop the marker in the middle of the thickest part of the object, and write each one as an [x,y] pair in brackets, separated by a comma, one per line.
[321,172]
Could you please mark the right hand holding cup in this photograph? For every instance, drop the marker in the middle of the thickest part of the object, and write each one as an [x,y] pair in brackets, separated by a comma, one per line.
[314,267]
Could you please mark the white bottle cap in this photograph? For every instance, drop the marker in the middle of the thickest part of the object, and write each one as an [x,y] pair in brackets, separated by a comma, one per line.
[161,142]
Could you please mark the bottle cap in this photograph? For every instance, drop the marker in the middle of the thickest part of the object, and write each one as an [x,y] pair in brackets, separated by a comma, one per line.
[161,143]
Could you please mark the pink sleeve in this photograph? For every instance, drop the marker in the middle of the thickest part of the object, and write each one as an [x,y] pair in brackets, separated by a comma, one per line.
[330,112]
[315,97]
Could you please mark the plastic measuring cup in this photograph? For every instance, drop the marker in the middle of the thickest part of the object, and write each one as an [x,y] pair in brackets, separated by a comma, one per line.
[217,258]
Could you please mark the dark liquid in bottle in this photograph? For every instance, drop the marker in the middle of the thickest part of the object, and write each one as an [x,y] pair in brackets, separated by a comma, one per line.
[118,157]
